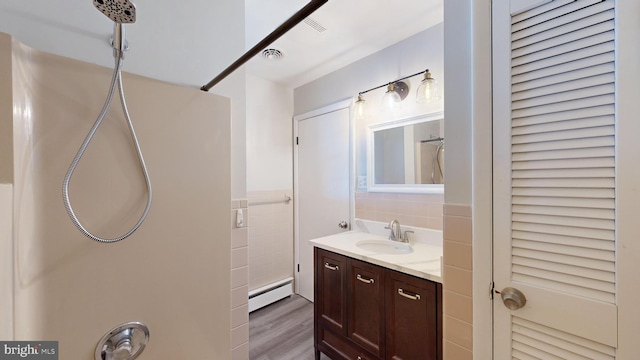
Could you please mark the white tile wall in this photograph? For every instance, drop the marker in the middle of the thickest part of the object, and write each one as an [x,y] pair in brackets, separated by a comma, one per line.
[458,275]
[266,242]
[239,284]
[270,237]
[419,210]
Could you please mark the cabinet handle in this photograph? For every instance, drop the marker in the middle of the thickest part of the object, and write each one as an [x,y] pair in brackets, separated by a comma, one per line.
[331,267]
[366,281]
[408,296]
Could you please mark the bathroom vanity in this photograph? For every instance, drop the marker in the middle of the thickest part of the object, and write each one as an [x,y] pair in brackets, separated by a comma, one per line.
[376,298]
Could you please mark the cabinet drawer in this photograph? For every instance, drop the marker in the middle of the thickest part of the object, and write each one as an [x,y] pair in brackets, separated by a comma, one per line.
[342,347]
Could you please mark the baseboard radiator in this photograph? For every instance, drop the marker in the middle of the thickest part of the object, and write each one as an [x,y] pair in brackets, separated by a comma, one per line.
[269,294]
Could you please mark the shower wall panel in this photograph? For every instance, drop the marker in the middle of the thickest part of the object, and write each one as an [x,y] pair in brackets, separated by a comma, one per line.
[173,274]
[6,112]
[6,190]
[6,261]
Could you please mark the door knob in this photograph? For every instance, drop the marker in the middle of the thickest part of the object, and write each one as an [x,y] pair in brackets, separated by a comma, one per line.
[343,225]
[513,298]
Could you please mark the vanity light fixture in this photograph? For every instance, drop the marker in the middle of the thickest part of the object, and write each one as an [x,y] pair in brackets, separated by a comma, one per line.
[428,90]
[359,108]
[391,99]
[397,91]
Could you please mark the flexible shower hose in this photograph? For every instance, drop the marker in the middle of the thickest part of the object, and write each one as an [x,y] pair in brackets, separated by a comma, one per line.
[116,79]
[436,158]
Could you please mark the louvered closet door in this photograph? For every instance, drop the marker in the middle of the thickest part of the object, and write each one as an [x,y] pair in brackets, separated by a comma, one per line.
[554,178]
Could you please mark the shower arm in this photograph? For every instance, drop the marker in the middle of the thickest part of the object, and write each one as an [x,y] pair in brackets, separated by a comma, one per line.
[275,35]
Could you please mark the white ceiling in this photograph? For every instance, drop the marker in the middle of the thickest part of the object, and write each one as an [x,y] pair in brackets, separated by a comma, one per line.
[354,29]
[189,42]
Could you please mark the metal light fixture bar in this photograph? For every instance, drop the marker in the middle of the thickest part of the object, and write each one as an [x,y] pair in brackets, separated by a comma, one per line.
[392,82]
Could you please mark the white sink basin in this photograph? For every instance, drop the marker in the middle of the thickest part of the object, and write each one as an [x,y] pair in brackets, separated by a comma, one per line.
[384,246]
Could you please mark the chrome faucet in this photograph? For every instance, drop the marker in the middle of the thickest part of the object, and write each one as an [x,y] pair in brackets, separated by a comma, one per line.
[395,232]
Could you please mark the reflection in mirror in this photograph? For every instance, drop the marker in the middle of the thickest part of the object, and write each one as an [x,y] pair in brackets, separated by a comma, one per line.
[407,155]
[413,154]
[430,164]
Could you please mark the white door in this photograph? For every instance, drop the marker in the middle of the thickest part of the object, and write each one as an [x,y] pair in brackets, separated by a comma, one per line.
[323,185]
[555,178]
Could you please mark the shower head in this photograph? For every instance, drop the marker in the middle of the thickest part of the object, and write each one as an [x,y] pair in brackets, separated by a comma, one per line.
[120,11]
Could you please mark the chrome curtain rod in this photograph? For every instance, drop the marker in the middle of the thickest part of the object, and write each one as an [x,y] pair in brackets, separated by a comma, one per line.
[395,81]
[431,140]
[275,35]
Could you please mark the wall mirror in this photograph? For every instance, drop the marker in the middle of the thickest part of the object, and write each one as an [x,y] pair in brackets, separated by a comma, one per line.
[406,155]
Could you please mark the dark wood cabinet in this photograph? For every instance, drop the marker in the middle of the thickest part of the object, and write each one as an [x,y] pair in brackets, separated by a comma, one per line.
[368,312]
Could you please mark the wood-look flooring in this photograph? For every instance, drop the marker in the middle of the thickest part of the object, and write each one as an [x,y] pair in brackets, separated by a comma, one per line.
[282,331]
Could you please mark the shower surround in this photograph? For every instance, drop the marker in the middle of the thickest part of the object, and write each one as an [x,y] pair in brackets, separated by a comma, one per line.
[173,274]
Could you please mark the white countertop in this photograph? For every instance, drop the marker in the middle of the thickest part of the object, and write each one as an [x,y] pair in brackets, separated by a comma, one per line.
[424,261]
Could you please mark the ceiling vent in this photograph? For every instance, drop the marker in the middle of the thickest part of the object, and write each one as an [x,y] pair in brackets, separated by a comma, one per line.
[314,24]
[272,54]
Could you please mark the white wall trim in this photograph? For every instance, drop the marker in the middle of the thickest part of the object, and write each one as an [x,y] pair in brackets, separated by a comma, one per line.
[269,294]
[482,183]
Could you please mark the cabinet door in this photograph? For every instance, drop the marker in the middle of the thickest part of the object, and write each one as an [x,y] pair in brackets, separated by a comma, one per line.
[330,296]
[365,307]
[412,321]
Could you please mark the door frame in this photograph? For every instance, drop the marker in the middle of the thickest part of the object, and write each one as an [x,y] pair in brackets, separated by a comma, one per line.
[342,104]
[468,95]
[481,67]
[627,173]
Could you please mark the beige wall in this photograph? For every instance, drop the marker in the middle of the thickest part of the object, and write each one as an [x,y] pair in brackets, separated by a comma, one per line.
[172,274]
[269,136]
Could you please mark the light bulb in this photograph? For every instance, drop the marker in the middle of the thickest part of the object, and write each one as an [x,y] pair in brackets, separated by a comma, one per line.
[391,100]
[428,90]
[360,109]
